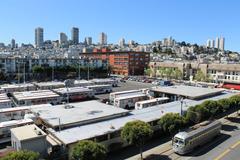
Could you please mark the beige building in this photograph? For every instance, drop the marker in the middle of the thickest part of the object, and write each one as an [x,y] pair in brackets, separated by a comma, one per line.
[29,137]
[215,71]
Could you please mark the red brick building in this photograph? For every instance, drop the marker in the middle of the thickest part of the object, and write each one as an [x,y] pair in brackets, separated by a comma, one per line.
[123,63]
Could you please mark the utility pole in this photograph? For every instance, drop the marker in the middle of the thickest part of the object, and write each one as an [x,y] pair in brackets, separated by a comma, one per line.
[18,73]
[52,73]
[24,73]
[88,69]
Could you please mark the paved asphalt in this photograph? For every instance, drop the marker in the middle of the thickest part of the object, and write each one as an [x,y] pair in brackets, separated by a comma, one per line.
[129,85]
[226,147]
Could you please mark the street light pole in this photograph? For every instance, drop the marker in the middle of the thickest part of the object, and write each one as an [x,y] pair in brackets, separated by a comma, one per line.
[181,106]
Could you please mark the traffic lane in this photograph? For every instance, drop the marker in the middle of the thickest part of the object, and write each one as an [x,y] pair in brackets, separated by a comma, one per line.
[231,153]
[129,85]
[220,145]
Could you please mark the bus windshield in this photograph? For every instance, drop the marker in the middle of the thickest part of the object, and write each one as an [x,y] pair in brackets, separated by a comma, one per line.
[178,141]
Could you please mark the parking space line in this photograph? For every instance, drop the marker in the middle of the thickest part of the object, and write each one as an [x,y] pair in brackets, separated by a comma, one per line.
[222,154]
[235,144]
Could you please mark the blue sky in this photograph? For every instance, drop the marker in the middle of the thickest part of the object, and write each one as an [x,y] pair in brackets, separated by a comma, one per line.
[144,21]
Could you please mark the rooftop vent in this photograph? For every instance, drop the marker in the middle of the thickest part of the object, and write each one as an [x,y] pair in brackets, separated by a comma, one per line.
[68,106]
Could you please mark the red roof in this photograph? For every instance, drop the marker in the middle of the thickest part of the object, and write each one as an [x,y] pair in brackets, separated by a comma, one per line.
[232,86]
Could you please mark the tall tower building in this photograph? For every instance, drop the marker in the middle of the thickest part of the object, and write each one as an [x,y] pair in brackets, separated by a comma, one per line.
[88,40]
[63,38]
[75,35]
[13,43]
[103,39]
[208,43]
[39,37]
[217,43]
[222,43]
[212,44]
[122,42]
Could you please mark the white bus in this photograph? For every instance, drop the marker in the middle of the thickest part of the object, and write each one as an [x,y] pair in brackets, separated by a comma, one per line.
[128,102]
[112,82]
[5,102]
[100,89]
[36,97]
[82,83]
[75,93]
[185,142]
[151,102]
[16,113]
[6,126]
[9,88]
[114,95]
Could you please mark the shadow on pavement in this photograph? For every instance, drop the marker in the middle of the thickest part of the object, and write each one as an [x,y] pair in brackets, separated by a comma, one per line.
[130,151]
[229,128]
[199,151]
[234,119]
[157,157]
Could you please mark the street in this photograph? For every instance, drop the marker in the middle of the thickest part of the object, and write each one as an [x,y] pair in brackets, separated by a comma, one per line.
[224,147]
[129,85]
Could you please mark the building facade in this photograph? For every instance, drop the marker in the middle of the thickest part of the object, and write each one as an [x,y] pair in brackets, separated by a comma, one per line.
[75,35]
[39,39]
[63,38]
[123,63]
[103,38]
[217,72]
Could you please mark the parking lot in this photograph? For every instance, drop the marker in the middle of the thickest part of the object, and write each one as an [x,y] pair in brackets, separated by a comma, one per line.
[128,85]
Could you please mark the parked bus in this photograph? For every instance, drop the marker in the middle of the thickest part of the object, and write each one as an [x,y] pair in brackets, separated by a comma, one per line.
[36,97]
[114,95]
[128,102]
[75,93]
[185,142]
[16,113]
[6,126]
[112,82]
[5,102]
[10,88]
[82,83]
[151,102]
[100,89]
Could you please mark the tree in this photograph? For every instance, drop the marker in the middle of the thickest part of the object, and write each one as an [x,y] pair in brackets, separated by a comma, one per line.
[177,74]
[200,76]
[86,150]
[170,123]
[21,155]
[37,69]
[212,108]
[136,133]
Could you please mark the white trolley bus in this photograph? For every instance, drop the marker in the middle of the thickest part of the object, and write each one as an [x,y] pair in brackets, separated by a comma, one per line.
[100,89]
[128,102]
[114,95]
[150,102]
[185,142]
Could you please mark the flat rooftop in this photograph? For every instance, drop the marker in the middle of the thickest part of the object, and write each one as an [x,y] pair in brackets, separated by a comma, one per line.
[4,98]
[77,113]
[13,123]
[72,90]
[23,108]
[21,85]
[154,100]
[43,84]
[103,80]
[190,92]
[39,94]
[128,96]
[68,136]
[27,132]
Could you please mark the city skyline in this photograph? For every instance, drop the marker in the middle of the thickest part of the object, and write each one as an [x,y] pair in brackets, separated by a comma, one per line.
[127,21]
